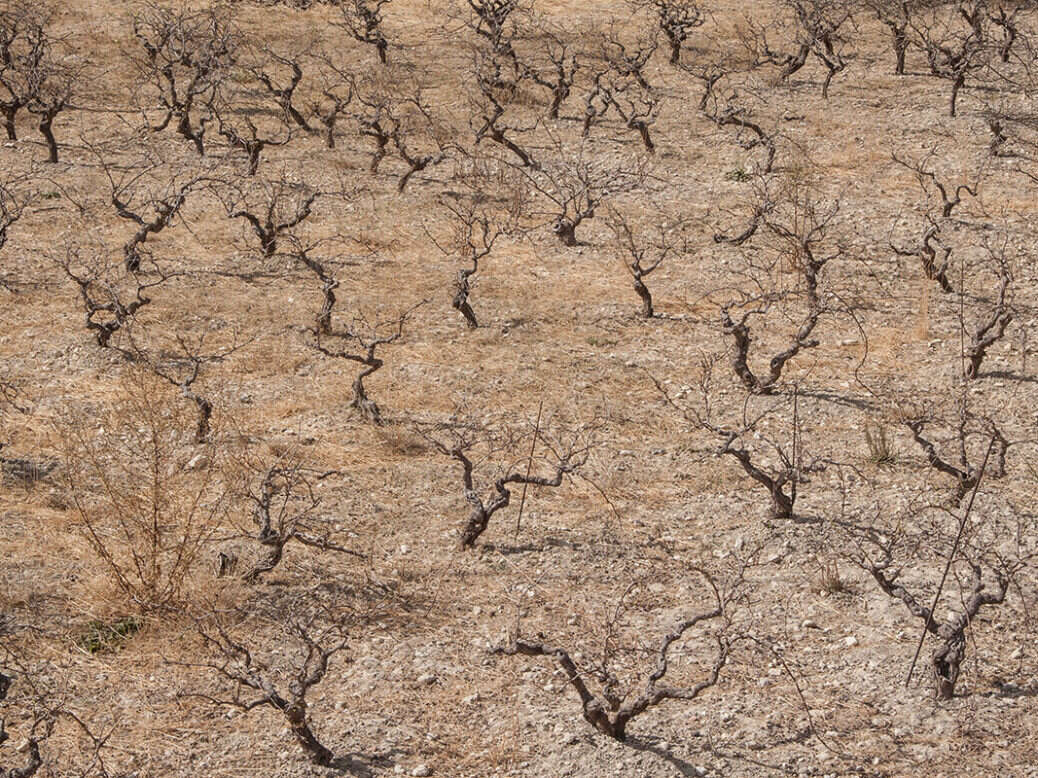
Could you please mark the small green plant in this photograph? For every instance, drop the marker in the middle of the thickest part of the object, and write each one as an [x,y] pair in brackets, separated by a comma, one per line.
[101,636]
[738,174]
[881,450]
[830,581]
[50,196]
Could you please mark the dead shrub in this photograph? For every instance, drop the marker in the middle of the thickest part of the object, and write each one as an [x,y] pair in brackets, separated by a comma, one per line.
[402,442]
[145,499]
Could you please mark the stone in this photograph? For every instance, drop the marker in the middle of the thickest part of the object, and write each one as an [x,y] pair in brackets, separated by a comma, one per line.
[198,462]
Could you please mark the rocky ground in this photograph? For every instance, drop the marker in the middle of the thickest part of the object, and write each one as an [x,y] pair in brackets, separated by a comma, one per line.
[607,563]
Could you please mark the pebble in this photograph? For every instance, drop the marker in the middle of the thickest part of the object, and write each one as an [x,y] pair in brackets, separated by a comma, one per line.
[850,641]
[422,771]
[427,679]
[198,462]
